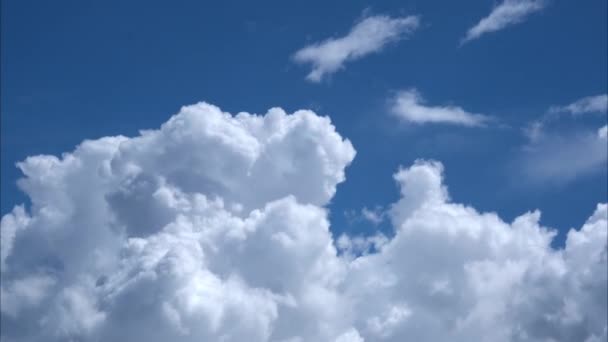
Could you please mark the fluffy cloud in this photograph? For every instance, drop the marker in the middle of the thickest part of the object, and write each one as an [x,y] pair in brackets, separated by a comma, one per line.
[209,227]
[214,228]
[509,12]
[589,104]
[369,35]
[408,105]
[452,273]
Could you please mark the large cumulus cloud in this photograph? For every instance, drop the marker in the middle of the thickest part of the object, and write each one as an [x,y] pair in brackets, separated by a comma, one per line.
[213,227]
[454,274]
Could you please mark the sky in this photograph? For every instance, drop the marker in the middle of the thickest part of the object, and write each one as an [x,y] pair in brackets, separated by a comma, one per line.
[443,115]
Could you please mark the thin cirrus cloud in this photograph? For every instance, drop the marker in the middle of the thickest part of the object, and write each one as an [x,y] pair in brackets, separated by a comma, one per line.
[554,157]
[589,104]
[372,34]
[508,13]
[409,106]
[239,248]
[597,104]
[542,159]
[374,215]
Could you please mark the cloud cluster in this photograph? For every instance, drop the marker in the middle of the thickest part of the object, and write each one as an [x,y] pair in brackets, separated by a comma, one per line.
[369,35]
[214,228]
[508,13]
[454,274]
[408,105]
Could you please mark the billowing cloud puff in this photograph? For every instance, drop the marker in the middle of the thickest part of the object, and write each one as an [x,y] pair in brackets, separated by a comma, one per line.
[589,104]
[207,227]
[214,228]
[454,274]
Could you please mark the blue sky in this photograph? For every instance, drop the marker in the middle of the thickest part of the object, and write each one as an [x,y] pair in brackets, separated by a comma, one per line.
[73,70]
[151,213]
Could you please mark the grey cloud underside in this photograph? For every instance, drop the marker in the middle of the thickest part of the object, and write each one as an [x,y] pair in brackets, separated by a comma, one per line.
[214,228]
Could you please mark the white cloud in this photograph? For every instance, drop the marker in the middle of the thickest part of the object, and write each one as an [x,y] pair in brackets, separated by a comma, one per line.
[408,105]
[589,104]
[369,35]
[602,133]
[509,12]
[554,157]
[213,228]
[375,216]
[206,229]
[462,275]
[535,129]
[392,318]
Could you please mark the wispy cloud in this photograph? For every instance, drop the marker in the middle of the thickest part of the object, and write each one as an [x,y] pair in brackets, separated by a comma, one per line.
[602,133]
[369,35]
[374,215]
[556,157]
[553,155]
[409,106]
[589,104]
[509,12]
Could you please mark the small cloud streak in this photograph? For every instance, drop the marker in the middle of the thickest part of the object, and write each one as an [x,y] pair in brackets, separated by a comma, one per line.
[508,13]
[369,35]
[589,104]
[555,158]
[375,215]
[408,105]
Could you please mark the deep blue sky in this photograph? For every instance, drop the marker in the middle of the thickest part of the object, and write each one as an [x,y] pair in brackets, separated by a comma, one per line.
[74,70]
